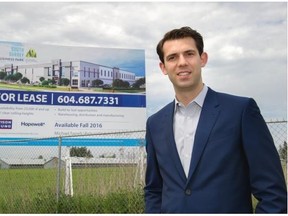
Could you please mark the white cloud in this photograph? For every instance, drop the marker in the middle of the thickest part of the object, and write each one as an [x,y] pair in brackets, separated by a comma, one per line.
[246,42]
[231,52]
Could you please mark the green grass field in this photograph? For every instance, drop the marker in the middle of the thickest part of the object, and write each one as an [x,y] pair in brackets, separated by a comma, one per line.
[96,190]
[34,190]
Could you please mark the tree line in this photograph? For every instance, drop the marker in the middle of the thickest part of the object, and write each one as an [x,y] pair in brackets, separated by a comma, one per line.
[117,83]
[84,152]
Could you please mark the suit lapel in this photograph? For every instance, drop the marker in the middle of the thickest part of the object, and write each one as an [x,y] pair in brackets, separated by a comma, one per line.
[168,125]
[208,117]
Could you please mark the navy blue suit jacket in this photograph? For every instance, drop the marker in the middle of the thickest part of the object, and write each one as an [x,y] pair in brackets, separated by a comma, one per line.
[233,157]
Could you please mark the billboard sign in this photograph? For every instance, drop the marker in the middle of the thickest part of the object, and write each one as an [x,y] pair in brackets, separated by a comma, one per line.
[50,90]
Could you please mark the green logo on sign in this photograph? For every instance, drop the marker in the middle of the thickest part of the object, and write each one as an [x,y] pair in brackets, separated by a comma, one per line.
[31,53]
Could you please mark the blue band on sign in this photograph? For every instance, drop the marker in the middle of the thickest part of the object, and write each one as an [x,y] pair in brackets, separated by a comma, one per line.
[71,142]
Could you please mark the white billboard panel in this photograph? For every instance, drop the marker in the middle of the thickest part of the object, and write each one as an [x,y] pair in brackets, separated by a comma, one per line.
[50,91]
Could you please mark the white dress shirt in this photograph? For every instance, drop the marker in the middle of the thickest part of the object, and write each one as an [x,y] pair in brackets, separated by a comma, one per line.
[185,125]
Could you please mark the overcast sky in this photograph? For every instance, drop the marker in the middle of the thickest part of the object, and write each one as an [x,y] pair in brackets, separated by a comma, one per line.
[246,42]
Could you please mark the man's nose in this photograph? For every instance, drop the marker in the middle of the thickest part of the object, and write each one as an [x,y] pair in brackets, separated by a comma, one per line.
[182,60]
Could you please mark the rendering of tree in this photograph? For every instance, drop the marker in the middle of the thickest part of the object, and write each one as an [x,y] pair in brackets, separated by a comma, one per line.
[25,80]
[97,82]
[120,83]
[17,76]
[65,82]
[139,82]
[3,75]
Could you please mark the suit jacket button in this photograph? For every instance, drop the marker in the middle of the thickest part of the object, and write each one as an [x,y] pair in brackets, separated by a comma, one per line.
[188,192]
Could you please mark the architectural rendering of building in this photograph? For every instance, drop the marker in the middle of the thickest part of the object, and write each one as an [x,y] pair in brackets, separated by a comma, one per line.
[80,73]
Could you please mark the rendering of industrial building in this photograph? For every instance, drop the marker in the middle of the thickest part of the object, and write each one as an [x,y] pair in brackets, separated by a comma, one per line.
[80,73]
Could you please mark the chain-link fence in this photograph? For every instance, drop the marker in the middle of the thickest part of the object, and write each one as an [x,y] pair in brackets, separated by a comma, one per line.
[278,130]
[105,175]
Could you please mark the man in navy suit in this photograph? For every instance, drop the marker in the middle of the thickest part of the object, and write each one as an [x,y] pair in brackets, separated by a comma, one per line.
[207,152]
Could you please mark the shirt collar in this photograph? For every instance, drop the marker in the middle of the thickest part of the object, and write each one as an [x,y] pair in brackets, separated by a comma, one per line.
[199,98]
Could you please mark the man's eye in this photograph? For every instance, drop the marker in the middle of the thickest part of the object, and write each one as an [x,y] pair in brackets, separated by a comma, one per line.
[170,58]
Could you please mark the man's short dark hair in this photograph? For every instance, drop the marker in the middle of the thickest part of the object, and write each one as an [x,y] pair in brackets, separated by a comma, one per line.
[179,34]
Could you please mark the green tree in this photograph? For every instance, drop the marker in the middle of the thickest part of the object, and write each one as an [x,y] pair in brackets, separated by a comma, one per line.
[138,83]
[126,84]
[41,79]
[17,76]
[9,77]
[14,77]
[97,82]
[25,80]
[80,152]
[45,83]
[52,81]
[120,83]
[2,75]
[64,81]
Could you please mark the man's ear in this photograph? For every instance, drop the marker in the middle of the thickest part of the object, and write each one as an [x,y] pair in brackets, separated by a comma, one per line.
[162,67]
[204,59]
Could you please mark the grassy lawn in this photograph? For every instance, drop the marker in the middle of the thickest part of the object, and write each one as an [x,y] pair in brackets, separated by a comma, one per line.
[23,87]
[34,191]
[32,88]
[85,180]
[96,190]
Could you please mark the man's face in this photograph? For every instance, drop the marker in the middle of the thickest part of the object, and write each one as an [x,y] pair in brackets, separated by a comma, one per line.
[182,63]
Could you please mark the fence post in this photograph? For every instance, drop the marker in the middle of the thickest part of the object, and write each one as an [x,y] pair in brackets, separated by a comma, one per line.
[68,174]
[59,172]
[142,164]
